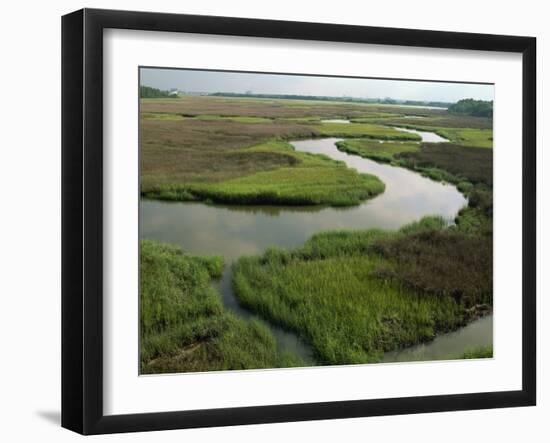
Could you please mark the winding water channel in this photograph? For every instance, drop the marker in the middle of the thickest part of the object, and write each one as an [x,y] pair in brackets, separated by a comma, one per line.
[430,137]
[234,231]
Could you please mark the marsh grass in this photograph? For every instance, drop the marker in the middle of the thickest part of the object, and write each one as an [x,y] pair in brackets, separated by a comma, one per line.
[464,136]
[175,152]
[441,121]
[353,295]
[270,108]
[382,152]
[478,138]
[183,325]
[450,162]
[440,263]
[198,148]
[371,131]
[471,170]
[480,352]
[333,294]
[162,116]
[189,117]
[297,179]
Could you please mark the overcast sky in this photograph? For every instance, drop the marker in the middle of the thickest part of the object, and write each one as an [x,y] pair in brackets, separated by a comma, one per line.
[214,81]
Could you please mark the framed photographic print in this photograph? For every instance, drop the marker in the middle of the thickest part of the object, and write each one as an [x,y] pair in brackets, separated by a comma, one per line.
[269,221]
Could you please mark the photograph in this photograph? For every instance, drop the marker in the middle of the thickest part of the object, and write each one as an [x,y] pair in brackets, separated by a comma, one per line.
[290,221]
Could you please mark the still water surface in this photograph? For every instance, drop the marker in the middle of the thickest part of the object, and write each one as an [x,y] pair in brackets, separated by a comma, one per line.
[448,346]
[335,120]
[430,137]
[234,231]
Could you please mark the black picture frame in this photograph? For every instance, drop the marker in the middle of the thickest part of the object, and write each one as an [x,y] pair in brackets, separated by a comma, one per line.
[82,221]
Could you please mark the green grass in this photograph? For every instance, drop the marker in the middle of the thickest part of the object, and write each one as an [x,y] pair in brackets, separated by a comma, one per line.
[471,137]
[307,179]
[364,130]
[481,352]
[351,295]
[161,116]
[373,149]
[479,138]
[183,325]
[337,293]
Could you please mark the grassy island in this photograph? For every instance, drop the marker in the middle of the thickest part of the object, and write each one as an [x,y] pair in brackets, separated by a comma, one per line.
[296,178]
[354,295]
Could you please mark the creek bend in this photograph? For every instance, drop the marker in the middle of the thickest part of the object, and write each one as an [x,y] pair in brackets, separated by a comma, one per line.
[234,231]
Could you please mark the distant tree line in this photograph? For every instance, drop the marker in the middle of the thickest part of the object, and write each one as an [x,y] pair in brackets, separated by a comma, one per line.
[475,108]
[148,92]
[385,101]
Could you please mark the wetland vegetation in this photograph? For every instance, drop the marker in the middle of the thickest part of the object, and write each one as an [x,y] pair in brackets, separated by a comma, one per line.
[184,326]
[356,292]
[286,177]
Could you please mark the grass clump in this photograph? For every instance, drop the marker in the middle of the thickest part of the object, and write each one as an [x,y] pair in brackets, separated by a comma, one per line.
[296,179]
[373,149]
[471,137]
[183,325]
[337,292]
[372,131]
[295,186]
[477,217]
